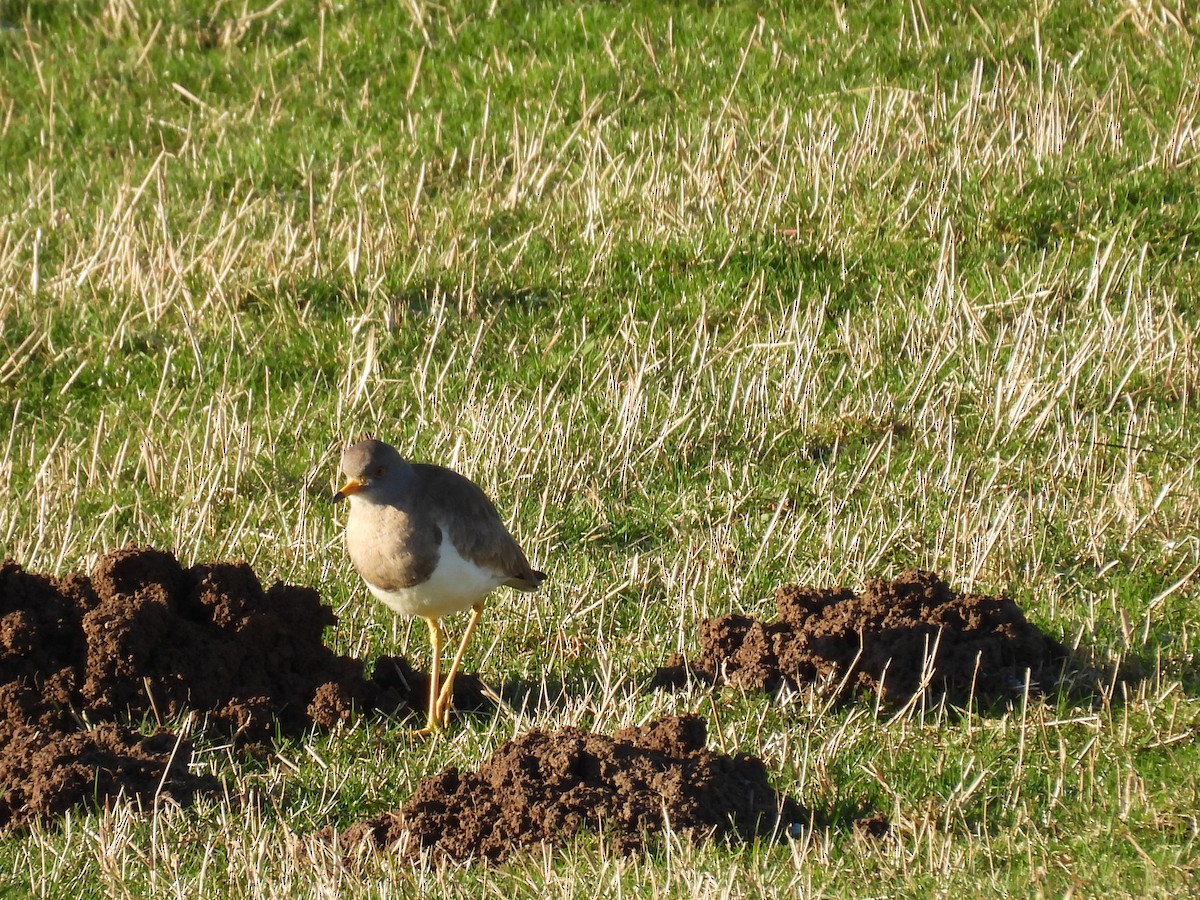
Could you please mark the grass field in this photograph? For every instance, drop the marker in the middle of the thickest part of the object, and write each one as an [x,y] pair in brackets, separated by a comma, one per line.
[709,298]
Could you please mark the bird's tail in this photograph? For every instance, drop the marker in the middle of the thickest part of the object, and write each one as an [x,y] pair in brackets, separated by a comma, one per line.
[529,583]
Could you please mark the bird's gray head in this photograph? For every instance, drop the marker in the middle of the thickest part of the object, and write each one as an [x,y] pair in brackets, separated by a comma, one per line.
[372,467]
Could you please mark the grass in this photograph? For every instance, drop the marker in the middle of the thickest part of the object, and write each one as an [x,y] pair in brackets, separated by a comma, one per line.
[709,298]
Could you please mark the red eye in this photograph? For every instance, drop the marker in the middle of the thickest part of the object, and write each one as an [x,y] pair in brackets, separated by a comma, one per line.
[379,472]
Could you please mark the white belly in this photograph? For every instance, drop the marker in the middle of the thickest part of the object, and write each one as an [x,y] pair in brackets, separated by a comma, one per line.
[455,585]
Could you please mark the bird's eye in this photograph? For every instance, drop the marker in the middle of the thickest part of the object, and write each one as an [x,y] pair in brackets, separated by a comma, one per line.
[379,472]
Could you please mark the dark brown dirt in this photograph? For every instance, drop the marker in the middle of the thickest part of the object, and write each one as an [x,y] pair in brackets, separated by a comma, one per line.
[909,635]
[145,639]
[546,787]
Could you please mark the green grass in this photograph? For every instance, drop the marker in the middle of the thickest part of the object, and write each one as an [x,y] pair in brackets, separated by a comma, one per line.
[709,298]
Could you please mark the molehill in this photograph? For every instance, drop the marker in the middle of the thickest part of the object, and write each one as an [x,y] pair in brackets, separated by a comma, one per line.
[145,639]
[902,637]
[545,787]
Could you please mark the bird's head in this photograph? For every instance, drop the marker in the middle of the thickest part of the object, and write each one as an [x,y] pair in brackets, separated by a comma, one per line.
[370,466]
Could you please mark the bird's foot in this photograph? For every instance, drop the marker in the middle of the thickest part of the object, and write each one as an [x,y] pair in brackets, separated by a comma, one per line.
[431,729]
[437,722]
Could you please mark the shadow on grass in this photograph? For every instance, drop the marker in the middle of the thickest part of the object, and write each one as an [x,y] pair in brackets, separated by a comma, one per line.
[402,692]
[422,298]
[1079,681]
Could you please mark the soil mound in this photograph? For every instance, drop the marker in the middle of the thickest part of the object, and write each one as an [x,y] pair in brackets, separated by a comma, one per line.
[902,637]
[545,787]
[145,638]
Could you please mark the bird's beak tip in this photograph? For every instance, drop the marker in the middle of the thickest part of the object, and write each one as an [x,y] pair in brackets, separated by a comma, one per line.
[353,486]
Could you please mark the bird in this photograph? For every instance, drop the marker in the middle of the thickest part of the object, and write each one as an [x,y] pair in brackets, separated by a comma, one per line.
[428,542]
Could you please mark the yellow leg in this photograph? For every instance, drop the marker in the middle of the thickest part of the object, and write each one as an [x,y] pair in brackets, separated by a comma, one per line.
[442,708]
[433,722]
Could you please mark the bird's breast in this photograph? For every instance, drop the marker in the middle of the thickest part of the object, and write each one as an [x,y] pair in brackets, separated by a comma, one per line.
[390,549]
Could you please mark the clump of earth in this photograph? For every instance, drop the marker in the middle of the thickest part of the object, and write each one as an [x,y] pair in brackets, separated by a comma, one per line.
[901,638]
[143,639]
[545,787]
[86,661]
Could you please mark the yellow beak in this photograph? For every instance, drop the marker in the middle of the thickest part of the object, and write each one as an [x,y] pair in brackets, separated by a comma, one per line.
[353,486]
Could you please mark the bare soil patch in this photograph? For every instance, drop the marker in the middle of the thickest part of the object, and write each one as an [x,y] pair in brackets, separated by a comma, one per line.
[545,787]
[903,637]
[144,639]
